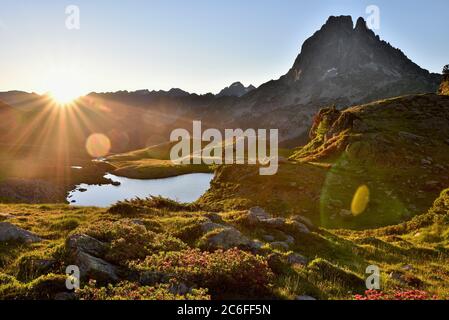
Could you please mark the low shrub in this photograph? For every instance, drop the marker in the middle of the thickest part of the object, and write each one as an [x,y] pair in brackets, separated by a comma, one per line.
[224,273]
[133,291]
[396,295]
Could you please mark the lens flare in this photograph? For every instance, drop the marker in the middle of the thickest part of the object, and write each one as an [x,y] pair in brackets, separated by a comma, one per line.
[98,145]
[360,201]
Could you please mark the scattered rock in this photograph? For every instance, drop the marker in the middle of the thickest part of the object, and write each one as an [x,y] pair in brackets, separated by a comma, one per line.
[95,268]
[179,288]
[296,259]
[298,227]
[115,183]
[290,240]
[209,226]
[85,252]
[256,215]
[305,221]
[226,238]
[87,244]
[273,222]
[10,232]
[275,263]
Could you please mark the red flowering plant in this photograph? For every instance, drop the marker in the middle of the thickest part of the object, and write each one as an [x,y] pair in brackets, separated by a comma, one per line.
[395,295]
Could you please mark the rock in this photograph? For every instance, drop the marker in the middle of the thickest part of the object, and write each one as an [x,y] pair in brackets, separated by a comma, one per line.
[256,245]
[268,238]
[10,232]
[298,227]
[209,226]
[407,267]
[296,259]
[273,222]
[305,221]
[87,244]
[226,238]
[290,240]
[179,289]
[85,252]
[256,215]
[275,263]
[115,183]
[95,268]
[305,298]
[280,245]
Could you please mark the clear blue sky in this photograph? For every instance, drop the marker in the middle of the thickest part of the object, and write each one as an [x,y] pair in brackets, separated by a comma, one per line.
[198,45]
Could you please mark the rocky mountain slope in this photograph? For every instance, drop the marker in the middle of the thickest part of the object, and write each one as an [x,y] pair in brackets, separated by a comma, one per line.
[237,89]
[398,148]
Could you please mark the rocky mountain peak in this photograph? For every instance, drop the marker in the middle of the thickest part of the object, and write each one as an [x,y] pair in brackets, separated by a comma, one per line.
[237,89]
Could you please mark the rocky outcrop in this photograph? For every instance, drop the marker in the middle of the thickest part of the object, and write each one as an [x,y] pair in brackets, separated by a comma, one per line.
[10,232]
[225,237]
[85,253]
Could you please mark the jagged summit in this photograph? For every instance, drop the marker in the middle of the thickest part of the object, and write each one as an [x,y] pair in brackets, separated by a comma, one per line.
[237,89]
[340,50]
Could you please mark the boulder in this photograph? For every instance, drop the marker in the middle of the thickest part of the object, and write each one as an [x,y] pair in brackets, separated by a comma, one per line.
[86,244]
[273,222]
[85,252]
[256,215]
[226,238]
[298,227]
[305,221]
[209,226]
[296,259]
[10,232]
[95,268]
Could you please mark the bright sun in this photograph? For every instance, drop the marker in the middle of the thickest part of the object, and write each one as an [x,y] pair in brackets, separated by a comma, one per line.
[64,86]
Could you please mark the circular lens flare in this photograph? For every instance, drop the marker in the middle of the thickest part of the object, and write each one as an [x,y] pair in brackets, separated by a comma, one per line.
[98,145]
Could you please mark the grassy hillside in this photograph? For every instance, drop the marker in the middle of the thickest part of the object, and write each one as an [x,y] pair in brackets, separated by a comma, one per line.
[156,246]
[398,148]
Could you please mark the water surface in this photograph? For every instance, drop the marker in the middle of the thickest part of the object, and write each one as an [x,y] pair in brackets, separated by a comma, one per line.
[185,188]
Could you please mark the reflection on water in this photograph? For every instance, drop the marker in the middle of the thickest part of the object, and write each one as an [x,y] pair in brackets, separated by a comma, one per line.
[185,188]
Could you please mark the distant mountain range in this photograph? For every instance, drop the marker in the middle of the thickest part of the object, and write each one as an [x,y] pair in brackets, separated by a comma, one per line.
[341,64]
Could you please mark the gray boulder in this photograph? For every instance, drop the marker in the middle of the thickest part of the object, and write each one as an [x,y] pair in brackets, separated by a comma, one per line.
[85,252]
[86,244]
[226,238]
[296,259]
[95,268]
[10,232]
